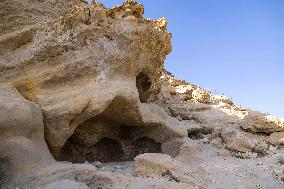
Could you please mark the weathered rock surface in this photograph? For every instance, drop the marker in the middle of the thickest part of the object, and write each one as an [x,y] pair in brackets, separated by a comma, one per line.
[276,138]
[156,165]
[86,84]
[262,123]
[77,66]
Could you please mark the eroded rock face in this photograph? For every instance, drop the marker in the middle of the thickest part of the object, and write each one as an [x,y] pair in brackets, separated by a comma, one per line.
[89,60]
[18,14]
[81,66]
[23,148]
[86,84]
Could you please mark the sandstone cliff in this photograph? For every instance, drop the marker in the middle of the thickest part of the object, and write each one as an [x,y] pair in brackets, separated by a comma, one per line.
[85,102]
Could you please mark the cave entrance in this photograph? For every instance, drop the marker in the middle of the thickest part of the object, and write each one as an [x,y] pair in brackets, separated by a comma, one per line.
[105,150]
[106,143]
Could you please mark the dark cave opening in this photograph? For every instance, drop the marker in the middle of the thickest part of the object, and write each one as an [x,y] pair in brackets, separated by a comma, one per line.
[145,145]
[198,135]
[143,84]
[106,150]
[124,145]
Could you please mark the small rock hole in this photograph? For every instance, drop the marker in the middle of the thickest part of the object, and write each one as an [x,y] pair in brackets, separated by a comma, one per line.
[143,84]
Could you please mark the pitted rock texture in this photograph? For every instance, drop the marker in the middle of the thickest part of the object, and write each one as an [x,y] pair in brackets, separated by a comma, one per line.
[86,84]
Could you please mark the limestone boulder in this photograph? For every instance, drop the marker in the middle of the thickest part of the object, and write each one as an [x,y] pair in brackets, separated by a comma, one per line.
[238,141]
[276,138]
[156,166]
[259,122]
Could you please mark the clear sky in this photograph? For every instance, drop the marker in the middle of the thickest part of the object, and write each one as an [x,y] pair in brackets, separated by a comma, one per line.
[235,47]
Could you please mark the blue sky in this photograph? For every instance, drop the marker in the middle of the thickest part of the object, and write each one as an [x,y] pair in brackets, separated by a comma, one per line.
[235,47]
